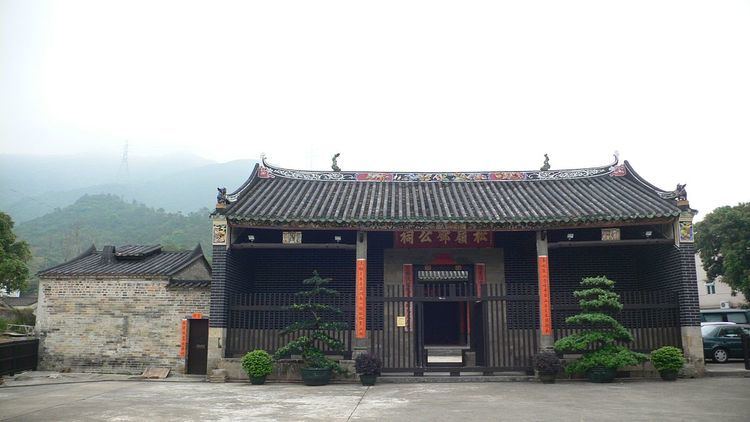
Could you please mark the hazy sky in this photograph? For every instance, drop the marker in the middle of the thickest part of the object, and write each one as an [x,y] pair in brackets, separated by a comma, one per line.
[389,84]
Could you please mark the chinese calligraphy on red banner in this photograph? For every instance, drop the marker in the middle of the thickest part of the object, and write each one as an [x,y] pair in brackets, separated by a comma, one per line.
[443,239]
[360,309]
[544,296]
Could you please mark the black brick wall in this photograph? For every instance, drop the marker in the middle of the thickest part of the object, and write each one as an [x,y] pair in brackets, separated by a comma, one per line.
[218,287]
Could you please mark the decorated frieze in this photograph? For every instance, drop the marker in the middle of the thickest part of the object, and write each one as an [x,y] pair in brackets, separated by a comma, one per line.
[219,233]
[267,171]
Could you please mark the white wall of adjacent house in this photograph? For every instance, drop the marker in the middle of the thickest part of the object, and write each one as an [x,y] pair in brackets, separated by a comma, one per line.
[716,295]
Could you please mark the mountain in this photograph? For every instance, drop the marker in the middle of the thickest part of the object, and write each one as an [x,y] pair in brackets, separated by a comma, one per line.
[23,175]
[108,220]
[31,187]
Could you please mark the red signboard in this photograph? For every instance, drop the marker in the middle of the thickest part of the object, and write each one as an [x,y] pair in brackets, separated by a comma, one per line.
[360,310]
[545,306]
[443,239]
[480,277]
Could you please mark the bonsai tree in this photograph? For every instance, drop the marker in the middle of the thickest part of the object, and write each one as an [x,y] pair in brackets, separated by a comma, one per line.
[313,326]
[368,368]
[602,336]
[547,364]
[668,360]
[258,364]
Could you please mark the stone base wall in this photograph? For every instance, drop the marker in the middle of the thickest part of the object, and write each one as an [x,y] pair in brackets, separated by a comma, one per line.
[114,326]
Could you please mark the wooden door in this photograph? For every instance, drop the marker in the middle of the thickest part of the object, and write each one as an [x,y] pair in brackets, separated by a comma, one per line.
[197,346]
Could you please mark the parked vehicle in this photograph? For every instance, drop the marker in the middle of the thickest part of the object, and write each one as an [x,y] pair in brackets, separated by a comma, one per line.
[722,342]
[739,316]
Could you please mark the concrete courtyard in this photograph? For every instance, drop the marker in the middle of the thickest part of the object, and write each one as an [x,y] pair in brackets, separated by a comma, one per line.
[708,399]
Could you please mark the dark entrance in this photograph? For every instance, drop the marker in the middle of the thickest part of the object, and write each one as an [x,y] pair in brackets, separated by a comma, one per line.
[197,346]
[442,323]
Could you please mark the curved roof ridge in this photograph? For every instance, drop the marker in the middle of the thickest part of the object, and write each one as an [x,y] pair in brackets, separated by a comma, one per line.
[615,161]
[665,194]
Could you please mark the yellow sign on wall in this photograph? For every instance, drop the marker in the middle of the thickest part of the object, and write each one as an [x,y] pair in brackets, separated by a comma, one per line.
[400,321]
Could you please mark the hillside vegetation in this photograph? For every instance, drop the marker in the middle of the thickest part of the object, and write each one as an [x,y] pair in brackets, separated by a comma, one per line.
[108,220]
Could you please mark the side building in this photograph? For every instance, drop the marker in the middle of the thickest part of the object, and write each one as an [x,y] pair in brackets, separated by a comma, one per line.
[122,309]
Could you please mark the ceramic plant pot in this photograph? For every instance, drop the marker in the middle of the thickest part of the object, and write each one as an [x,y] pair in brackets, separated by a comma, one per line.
[316,376]
[601,374]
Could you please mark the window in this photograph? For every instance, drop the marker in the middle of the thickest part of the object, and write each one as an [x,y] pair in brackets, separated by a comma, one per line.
[712,317]
[711,288]
[731,332]
[738,317]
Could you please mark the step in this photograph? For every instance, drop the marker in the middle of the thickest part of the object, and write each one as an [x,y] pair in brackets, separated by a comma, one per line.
[409,379]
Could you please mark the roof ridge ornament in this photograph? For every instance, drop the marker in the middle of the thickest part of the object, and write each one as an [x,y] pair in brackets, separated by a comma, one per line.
[334,163]
[545,166]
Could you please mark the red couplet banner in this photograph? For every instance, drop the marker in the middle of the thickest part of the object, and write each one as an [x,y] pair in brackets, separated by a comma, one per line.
[360,310]
[545,306]
[183,341]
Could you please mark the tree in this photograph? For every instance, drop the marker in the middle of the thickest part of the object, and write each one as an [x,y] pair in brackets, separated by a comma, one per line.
[723,239]
[13,257]
[314,329]
[602,336]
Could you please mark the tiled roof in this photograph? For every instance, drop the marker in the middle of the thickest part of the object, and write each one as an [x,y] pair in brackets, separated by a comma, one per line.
[277,196]
[189,283]
[156,263]
[19,301]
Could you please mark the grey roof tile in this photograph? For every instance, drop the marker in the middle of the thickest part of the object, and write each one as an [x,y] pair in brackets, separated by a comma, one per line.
[138,261]
[274,195]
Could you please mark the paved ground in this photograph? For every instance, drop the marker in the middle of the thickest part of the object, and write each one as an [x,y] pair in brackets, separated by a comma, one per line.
[707,399]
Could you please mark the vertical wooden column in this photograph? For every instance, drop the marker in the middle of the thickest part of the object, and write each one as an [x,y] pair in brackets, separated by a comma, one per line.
[546,339]
[361,343]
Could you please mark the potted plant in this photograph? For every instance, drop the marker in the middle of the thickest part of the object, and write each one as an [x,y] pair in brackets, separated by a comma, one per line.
[368,368]
[668,360]
[258,364]
[547,365]
[315,323]
[600,340]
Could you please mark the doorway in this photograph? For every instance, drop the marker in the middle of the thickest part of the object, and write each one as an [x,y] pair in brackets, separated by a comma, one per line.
[197,356]
[442,324]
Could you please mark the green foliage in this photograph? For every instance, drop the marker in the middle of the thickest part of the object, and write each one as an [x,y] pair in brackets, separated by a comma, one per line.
[24,317]
[611,356]
[13,257]
[602,335]
[667,358]
[108,220]
[547,363]
[723,238]
[257,363]
[3,325]
[315,325]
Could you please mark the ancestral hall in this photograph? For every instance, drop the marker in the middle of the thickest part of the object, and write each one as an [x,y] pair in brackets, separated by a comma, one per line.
[457,272]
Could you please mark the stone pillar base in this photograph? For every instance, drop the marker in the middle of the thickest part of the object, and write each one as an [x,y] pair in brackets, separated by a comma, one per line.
[216,343]
[360,346]
[692,346]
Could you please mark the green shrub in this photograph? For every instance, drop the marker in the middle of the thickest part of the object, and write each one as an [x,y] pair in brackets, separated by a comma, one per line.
[24,317]
[257,363]
[667,358]
[602,336]
[3,325]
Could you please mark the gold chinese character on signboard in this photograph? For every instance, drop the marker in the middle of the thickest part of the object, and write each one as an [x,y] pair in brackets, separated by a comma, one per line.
[444,236]
[461,237]
[480,237]
[407,238]
[425,237]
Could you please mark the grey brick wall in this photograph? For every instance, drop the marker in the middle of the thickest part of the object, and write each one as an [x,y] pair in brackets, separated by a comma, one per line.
[114,325]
